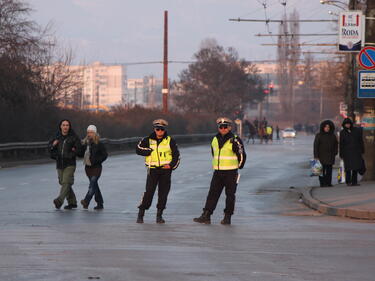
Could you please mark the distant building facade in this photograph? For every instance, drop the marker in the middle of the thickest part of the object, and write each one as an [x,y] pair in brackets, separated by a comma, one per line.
[103,85]
[144,92]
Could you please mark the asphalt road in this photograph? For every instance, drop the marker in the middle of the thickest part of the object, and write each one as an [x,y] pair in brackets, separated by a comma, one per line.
[273,236]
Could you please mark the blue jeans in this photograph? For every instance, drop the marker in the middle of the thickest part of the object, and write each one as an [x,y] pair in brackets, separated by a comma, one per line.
[94,190]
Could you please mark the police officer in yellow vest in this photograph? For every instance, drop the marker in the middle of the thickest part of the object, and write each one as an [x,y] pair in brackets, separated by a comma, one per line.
[161,157]
[228,156]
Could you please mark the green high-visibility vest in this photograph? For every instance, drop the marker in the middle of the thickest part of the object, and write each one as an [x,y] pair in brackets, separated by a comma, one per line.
[161,154]
[224,158]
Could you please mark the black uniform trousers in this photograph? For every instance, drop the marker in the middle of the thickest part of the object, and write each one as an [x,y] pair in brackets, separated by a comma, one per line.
[162,179]
[221,179]
[351,177]
[326,177]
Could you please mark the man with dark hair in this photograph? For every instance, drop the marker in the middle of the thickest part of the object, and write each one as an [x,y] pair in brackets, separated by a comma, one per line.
[64,148]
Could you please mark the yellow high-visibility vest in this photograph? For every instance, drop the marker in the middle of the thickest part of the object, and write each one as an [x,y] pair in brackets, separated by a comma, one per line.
[161,154]
[224,158]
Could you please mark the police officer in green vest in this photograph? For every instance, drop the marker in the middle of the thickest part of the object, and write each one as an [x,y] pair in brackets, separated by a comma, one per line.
[228,156]
[161,157]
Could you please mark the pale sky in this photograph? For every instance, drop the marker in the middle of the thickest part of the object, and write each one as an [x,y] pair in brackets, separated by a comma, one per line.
[122,31]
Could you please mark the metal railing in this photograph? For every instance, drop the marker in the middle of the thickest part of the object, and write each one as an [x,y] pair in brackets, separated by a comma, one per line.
[22,150]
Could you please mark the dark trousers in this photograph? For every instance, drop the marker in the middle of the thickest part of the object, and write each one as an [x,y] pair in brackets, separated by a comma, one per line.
[160,178]
[351,176]
[326,177]
[221,179]
[94,190]
[251,136]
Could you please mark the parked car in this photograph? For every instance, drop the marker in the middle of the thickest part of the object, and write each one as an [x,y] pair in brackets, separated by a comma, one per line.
[289,133]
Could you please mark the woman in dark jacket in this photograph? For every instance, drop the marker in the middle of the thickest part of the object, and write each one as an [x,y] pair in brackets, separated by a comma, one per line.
[325,150]
[94,155]
[351,150]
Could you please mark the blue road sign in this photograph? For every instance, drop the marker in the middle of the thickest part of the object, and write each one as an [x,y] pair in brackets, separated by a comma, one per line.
[366,57]
[366,84]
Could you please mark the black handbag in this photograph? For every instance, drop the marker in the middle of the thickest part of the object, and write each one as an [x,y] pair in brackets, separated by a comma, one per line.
[362,171]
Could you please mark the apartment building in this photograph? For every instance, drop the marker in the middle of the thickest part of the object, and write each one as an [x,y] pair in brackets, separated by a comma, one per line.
[103,85]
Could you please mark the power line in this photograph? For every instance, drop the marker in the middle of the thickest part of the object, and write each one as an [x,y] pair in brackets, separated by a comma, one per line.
[323,53]
[301,44]
[291,34]
[281,21]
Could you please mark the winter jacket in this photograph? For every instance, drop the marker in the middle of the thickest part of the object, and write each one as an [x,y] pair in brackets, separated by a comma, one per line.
[98,154]
[66,150]
[238,147]
[143,148]
[326,144]
[352,146]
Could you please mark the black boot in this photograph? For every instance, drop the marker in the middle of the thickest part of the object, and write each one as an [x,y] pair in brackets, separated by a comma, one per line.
[159,217]
[204,218]
[70,206]
[226,219]
[141,213]
[99,207]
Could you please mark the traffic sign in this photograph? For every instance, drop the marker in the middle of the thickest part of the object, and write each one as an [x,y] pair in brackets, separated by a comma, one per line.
[366,58]
[366,84]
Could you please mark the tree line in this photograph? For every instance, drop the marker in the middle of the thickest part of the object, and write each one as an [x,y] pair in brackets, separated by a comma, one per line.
[35,79]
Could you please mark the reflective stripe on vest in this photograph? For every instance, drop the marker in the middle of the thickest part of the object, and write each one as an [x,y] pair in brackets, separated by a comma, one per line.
[224,158]
[161,154]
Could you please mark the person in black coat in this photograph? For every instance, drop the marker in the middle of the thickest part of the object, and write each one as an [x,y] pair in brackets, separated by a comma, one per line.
[161,158]
[64,147]
[94,154]
[351,150]
[325,150]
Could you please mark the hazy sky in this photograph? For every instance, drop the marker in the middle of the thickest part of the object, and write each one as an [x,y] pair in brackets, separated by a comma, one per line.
[132,30]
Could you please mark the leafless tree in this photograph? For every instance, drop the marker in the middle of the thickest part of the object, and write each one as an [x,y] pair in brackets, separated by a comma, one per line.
[288,56]
[218,82]
[32,71]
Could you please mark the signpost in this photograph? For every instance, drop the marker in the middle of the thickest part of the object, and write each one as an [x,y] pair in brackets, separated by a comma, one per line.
[351,31]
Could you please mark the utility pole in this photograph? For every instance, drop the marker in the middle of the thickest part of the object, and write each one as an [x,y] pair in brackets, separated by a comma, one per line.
[165,64]
[97,98]
[369,104]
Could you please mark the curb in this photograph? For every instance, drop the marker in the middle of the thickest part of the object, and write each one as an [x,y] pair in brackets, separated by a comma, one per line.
[311,202]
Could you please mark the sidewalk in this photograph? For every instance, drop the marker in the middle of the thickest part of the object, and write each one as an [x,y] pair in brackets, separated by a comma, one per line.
[341,200]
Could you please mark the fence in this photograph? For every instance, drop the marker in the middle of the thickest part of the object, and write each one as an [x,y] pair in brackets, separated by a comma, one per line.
[32,150]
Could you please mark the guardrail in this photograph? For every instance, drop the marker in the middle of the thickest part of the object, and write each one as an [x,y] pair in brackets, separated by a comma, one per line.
[31,150]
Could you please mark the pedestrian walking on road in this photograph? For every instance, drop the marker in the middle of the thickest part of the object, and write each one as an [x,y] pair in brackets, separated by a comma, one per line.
[325,150]
[228,156]
[64,148]
[277,132]
[252,131]
[161,157]
[94,154]
[269,133]
[351,150]
[262,134]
